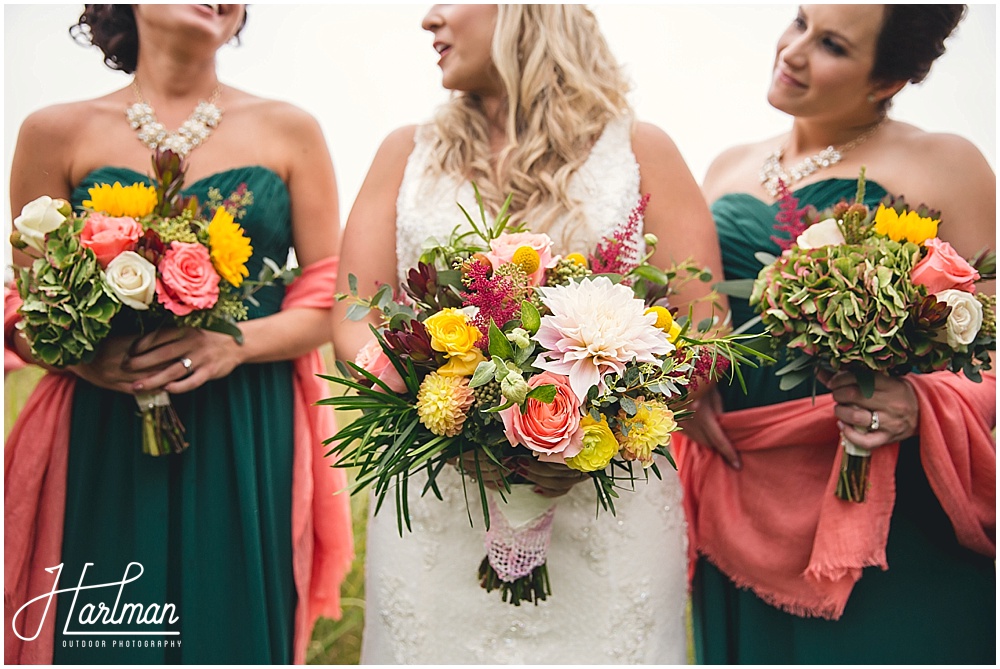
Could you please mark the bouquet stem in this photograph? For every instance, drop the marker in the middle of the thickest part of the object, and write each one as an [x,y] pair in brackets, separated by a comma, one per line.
[162,430]
[517,544]
[852,484]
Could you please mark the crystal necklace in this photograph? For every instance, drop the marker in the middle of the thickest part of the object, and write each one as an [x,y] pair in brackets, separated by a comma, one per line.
[772,173]
[193,132]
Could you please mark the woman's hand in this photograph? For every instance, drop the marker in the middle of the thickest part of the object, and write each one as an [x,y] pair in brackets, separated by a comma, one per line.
[890,415]
[551,479]
[703,427]
[180,360]
[108,369]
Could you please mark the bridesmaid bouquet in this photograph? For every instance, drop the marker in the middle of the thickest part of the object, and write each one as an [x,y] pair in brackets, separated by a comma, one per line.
[501,352]
[874,292]
[144,249]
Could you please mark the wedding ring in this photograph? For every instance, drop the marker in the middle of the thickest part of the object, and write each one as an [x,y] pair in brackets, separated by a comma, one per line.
[874,425]
[186,362]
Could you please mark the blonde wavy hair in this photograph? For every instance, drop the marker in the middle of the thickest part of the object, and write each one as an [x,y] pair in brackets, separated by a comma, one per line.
[562,86]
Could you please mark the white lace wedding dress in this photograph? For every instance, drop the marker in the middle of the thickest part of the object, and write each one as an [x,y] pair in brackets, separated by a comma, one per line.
[618,582]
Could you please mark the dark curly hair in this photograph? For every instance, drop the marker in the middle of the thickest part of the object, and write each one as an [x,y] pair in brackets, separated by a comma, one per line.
[112,29]
[911,39]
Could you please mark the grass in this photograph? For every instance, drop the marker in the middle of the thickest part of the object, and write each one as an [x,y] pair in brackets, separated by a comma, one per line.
[333,641]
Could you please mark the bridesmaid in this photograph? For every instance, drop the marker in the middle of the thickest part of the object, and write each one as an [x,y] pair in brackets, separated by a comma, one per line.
[225,531]
[836,70]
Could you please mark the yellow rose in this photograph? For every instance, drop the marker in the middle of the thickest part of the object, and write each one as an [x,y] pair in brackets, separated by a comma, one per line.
[599,446]
[452,335]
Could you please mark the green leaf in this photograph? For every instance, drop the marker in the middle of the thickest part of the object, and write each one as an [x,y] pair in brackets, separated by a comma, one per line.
[544,393]
[352,282]
[225,327]
[628,405]
[531,320]
[485,372]
[652,274]
[741,288]
[357,312]
[499,346]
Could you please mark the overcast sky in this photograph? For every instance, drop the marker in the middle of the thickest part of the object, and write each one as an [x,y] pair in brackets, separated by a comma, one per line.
[700,72]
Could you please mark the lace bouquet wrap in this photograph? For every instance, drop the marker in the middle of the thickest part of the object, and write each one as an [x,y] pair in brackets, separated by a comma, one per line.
[503,353]
[873,292]
[139,255]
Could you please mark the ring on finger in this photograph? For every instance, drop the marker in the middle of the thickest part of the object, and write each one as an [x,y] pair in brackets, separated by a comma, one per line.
[874,425]
[187,364]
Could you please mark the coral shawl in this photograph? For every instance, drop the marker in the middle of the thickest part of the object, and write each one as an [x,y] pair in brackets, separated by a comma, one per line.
[777,528]
[35,462]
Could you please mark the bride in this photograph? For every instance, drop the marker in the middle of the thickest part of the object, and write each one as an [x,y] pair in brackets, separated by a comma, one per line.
[539,109]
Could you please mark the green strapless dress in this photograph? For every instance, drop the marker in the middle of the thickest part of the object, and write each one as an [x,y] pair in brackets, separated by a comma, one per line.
[937,602]
[211,527]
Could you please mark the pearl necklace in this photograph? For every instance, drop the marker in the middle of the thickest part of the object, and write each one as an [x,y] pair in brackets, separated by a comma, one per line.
[193,132]
[772,174]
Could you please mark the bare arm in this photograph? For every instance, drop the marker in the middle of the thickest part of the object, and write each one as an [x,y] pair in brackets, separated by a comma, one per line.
[370,238]
[678,215]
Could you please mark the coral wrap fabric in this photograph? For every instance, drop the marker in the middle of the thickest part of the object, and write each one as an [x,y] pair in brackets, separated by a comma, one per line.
[777,528]
[35,490]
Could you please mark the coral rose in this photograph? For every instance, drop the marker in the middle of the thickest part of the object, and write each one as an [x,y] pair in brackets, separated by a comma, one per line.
[188,281]
[550,429]
[108,236]
[943,269]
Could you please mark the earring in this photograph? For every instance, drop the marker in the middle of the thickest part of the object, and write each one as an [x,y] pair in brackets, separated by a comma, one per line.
[871,97]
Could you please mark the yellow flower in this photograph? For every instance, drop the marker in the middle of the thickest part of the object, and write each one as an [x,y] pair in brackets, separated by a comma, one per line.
[665,321]
[442,403]
[599,446]
[649,428]
[230,247]
[137,200]
[451,333]
[578,258]
[527,259]
[910,226]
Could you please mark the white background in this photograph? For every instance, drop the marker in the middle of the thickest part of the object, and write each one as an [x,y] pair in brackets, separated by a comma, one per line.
[699,72]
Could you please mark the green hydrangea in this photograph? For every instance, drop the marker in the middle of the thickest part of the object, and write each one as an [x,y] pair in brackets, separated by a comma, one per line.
[67,308]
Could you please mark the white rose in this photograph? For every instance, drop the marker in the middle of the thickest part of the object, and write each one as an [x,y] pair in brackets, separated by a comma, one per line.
[39,217]
[132,278]
[824,233]
[965,319]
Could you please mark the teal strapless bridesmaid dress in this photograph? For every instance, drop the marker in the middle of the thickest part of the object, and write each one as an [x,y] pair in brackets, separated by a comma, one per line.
[211,527]
[937,602]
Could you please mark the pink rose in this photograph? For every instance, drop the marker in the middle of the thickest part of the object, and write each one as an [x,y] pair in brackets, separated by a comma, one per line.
[502,251]
[187,279]
[550,429]
[943,269]
[373,360]
[107,236]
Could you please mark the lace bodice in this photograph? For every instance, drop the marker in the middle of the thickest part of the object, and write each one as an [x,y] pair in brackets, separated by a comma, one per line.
[607,183]
[618,581]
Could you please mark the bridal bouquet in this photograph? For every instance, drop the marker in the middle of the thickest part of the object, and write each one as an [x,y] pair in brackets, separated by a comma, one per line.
[501,352]
[140,249]
[874,292]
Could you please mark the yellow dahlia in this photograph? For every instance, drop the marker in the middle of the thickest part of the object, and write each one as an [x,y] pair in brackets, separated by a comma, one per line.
[649,428]
[230,247]
[910,226]
[442,403]
[136,201]
[599,446]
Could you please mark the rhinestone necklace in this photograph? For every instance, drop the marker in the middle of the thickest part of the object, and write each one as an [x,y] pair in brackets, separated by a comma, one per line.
[193,132]
[772,173]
